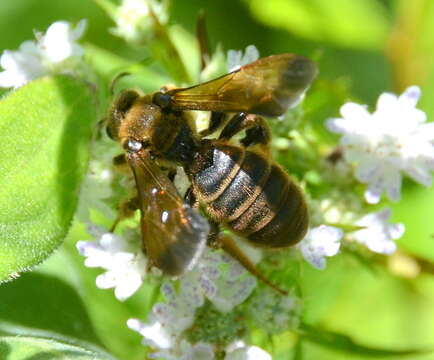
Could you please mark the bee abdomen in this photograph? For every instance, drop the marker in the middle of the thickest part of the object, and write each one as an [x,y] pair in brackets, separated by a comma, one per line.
[278,217]
[251,195]
[243,190]
[235,179]
[212,180]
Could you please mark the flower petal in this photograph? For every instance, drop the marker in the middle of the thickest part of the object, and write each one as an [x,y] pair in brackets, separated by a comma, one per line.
[355,112]
[387,101]
[410,96]
[320,242]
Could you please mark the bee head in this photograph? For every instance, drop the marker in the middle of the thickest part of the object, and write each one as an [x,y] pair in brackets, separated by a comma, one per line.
[118,112]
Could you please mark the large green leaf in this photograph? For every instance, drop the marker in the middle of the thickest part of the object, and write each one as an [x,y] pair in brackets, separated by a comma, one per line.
[33,348]
[45,129]
[55,307]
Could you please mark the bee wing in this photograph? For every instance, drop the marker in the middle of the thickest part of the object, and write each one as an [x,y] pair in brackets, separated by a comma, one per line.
[266,87]
[174,235]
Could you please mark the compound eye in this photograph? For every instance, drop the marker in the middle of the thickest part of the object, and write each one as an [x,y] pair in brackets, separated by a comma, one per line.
[162,100]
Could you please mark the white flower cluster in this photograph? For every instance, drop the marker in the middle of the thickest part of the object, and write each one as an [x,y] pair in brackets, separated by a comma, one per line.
[134,20]
[395,139]
[216,276]
[55,52]
[164,331]
[225,288]
[377,234]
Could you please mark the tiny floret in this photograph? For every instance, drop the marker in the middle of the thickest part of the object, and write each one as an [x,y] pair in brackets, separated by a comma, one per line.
[55,52]
[248,353]
[378,234]
[394,140]
[236,58]
[168,320]
[320,242]
[273,312]
[220,279]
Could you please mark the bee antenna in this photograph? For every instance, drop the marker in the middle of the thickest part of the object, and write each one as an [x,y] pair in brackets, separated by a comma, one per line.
[115,81]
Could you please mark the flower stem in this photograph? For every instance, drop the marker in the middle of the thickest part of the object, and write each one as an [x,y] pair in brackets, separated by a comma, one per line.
[165,50]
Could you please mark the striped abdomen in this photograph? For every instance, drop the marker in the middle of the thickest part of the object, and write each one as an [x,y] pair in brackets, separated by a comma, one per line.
[251,195]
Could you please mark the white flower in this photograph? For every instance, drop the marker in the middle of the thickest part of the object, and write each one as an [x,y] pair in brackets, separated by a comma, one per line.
[236,59]
[379,234]
[320,242]
[221,279]
[248,353]
[124,262]
[59,42]
[53,53]
[133,19]
[395,139]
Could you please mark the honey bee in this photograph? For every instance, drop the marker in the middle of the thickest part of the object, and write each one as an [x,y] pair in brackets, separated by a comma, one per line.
[237,186]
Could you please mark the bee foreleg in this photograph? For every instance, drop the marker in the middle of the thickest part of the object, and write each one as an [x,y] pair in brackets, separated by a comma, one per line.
[126,210]
[120,164]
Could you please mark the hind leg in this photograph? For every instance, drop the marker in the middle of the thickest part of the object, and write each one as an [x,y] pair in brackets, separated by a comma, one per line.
[218,240]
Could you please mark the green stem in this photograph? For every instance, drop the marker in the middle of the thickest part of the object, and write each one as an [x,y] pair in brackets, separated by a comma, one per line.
[164,49]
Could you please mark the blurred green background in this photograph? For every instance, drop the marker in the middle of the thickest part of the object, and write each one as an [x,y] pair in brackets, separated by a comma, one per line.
[363,48]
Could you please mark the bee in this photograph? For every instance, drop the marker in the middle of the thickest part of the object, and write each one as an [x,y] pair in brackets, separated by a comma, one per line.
[238,186]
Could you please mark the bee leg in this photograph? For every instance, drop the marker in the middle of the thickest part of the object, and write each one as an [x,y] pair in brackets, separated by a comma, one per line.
[171,175]
[257,130]
[217,240]
[216,119]
[228,244]
[126,210]
[191,199]
[213,235]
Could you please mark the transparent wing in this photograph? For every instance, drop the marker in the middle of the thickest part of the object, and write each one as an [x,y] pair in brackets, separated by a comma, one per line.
[266,87]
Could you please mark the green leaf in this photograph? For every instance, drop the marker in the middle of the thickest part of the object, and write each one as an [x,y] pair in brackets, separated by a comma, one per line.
[33,348]
[341,342]
[353,24]
[55,307]
[45,129]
